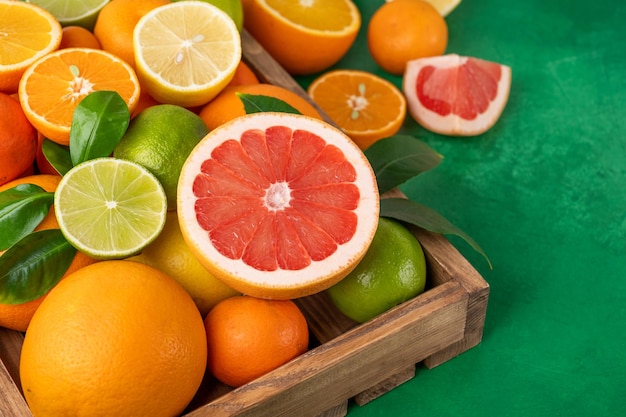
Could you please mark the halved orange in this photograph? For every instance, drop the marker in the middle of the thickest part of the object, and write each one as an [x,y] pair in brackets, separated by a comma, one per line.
[365,106]
[305,37]
[28,33]
[456,95]
[278,205]
[52,87]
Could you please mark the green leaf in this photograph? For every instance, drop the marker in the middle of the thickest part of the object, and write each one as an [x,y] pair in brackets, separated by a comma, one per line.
[57,155]
[412,212]
[259,103]
[98,123]
[31,267]
[22,208]
[399,158]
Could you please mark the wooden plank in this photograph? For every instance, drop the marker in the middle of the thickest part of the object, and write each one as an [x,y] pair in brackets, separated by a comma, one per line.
[12,402]
[352,362]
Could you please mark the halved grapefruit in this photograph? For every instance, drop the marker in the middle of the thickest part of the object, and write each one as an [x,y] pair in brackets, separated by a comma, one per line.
[278,205]
[456,95]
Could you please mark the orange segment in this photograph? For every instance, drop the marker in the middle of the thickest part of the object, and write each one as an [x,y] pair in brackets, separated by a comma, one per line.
[53,86]
[306,36]
[278,205]
[28,33]
[366,107]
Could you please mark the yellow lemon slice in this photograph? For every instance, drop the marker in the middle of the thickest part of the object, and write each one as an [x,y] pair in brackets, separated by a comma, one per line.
[186,52]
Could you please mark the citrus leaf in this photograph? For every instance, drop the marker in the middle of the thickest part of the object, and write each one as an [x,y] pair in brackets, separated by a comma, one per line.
[31,267]
[399,158]
[22,208]
[98,123]
[259,103]
[57,155]
[419,215]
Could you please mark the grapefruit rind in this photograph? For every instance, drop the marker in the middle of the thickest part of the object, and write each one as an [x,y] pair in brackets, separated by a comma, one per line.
[452,124]
[280,283]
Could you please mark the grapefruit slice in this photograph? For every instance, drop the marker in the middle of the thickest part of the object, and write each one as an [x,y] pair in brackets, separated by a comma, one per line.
[278,205]
[455,95]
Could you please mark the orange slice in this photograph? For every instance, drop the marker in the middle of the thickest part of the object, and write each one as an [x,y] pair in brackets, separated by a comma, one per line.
[366,107]
[278,205]
[456,95]
[28,33]
[53,86]
[303,36]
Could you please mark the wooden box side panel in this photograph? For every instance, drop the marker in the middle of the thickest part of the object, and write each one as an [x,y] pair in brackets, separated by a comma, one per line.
[352,362]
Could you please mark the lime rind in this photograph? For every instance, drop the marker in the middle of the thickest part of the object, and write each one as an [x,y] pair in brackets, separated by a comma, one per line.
[110,208]
[72,12]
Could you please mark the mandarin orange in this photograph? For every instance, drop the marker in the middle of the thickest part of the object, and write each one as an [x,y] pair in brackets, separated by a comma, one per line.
[227,105]
[403,30]
[248,337]
[116,23]
[78,36]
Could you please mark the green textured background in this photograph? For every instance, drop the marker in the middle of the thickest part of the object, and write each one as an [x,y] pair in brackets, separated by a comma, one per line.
[544,193]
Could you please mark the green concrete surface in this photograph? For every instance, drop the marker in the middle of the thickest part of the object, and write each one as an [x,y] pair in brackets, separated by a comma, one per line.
[544,193]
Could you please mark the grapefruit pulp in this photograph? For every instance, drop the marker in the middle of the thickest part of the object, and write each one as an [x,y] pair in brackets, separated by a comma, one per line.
[455,95]
[278,205]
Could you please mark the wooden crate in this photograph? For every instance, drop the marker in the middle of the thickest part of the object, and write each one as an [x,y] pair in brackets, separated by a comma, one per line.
[348,360]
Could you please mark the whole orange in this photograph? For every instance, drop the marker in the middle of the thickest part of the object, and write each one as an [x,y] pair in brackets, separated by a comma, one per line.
[403,30]
[116,23]
[116,338]
[248,337]
[18,140]
[18,316]
[78,37]
[227,105]
[243,76]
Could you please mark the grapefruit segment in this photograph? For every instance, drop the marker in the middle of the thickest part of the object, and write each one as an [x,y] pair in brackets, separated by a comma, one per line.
[278,205]
[456,95]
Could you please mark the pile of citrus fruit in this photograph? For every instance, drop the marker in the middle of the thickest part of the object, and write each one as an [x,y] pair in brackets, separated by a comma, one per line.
[164,231]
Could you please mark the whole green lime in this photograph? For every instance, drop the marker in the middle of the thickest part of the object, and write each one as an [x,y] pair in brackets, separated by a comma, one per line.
[161,138]
[392,272]
[233,8]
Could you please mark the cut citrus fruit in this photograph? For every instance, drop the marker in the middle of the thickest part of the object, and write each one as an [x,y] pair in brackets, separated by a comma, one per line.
[444,7]
[109,208]
[303,36]
[366,107]
[73,12]
[53,86]
[28,33]
[456,95]
[278,205]
[186,52]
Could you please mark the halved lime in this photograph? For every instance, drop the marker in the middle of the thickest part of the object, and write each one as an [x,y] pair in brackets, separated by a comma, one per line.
[109,208]
[73,12]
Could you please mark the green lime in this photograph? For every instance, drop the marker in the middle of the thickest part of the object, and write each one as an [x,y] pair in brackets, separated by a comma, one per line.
[233,8]
[109,208]
[160,138]
[392,271]
[73,12]
[170,254]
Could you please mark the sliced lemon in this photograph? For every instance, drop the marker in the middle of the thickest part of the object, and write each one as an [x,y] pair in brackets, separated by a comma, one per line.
[110,208]
[186,52]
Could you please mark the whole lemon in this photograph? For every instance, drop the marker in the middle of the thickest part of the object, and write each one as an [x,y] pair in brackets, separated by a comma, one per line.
[170,254]
[160,138]
[392,272]
[115,338]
